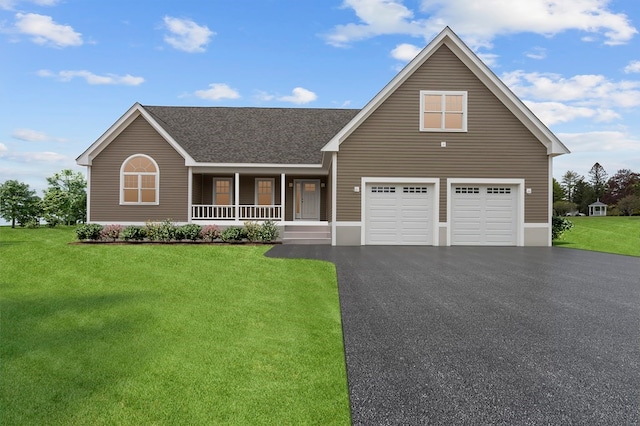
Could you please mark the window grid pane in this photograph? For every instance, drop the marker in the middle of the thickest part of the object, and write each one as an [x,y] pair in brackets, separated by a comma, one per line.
[139,180]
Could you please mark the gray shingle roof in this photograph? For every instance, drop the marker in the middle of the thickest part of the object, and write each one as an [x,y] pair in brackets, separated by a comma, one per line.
[252,135]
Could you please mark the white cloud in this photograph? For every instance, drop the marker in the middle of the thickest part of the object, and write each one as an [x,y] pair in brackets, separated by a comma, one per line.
[480,22]
[10,4]
[299,96]
[45,31]
[600,141]
[186,35]
[3,149]
[217,91]
[405,52]
[555,112]
[91,78]
[264,96]
[30,135]
[634,66]
[595,91]
[537,53]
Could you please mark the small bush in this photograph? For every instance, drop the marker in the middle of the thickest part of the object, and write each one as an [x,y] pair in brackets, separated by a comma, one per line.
[32,223]
[253,231]
[210,233]
[269,231]
[232,234]
[191,231]
[89,231]
[559,225]
[133,233]
[561,208]
[111,232]
[162,231]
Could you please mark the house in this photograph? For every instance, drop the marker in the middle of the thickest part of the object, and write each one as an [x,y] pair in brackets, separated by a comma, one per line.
[445,154]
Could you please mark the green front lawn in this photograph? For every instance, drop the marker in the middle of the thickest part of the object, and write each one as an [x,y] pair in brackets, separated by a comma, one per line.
[165,334]
[611,234]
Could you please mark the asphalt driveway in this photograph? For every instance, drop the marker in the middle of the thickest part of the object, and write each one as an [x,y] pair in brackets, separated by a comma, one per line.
[471,335]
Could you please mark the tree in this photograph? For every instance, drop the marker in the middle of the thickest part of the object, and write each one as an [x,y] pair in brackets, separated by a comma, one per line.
[583,195]
[65,200]
[622,184]
[18,203]
[629,205]
[558,191]
[569,181]
[598,180]
[562,208]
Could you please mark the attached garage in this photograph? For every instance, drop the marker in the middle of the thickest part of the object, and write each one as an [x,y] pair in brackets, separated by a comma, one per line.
[484,214]
[399,213]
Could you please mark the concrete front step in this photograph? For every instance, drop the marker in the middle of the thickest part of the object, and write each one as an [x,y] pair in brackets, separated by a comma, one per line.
[306,234]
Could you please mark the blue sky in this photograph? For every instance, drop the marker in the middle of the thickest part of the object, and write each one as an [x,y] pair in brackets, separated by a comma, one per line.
[71,68]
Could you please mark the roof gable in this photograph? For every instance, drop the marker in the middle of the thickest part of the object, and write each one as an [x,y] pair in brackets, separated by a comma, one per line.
[86,158]
[449,39]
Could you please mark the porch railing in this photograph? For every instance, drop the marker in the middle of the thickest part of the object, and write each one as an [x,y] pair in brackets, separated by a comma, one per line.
[244,212]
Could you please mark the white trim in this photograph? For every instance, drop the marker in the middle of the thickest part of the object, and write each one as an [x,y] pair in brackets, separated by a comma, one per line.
[494,84]
[334,196]
[255,190]
[283,194]
[253,165]
[236,193]
[436,202]
[550,201]
[536,225]
[157,182]
[88,194]
[442,94]
[349,223]
[214,192]
[490,181]
[189,194]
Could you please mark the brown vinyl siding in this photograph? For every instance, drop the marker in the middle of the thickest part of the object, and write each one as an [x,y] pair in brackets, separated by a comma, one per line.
[138,138]
[389,144]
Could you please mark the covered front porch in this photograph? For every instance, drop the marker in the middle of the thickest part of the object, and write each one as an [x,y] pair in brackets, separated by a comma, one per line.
[232,198]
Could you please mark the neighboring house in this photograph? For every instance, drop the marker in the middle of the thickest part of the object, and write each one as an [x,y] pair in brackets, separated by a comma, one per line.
[445,154]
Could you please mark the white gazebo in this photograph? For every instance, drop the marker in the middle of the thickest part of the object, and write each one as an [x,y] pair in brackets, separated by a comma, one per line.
[598,208]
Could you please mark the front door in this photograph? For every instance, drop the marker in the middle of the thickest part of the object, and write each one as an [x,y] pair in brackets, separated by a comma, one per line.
[307,197]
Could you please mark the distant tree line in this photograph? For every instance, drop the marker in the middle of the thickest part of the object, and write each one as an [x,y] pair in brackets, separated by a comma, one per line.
[574,193]
[63,202]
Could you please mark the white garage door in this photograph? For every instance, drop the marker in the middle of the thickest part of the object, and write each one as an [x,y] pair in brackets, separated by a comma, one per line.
[484,215]
[398,214]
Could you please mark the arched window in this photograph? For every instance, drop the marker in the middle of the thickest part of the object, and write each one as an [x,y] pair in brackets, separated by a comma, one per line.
[139,180]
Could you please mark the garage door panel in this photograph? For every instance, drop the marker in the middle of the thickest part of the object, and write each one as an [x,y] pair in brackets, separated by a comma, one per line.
[398,214]
[483,215]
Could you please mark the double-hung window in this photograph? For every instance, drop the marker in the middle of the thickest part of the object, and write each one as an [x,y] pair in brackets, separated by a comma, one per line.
[443,111]
[139,180]
[223,191]
[264,192]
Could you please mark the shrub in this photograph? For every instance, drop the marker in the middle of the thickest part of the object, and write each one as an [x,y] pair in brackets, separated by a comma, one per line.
[133,233]
[210,233]
[232,233]
[191,231]
[269,231]
[561,208]
[162,231]
[89,231]
[559,225]
[111,232]
[253,231]
[32,223]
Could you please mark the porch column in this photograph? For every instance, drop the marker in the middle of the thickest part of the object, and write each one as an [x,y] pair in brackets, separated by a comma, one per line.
[190,195]
[236,198]
[283,191]
[334,195]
